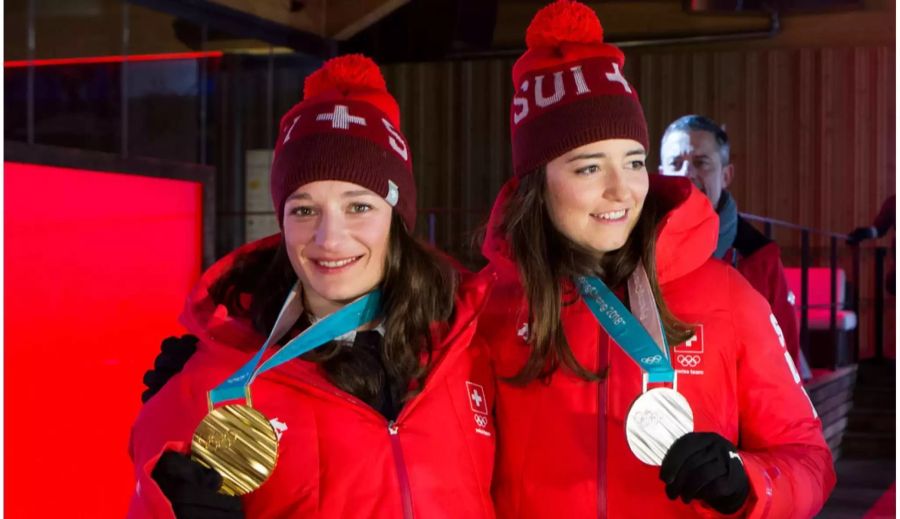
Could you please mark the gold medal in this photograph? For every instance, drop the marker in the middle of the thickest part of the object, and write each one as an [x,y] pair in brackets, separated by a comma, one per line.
[236,440]
[240,444]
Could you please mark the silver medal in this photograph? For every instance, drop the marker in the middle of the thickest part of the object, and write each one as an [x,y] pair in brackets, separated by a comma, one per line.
[656,419]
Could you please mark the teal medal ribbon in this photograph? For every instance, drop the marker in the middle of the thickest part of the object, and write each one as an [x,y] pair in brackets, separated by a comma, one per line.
[238,441]
[659,416]
[627,331]
[361,311]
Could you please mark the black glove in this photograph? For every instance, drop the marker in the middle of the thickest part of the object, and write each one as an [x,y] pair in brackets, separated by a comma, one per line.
[173,355]
[192,489]
[706,466]
[859,234]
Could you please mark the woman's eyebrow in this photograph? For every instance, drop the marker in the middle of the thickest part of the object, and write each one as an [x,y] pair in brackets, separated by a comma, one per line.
[583,156]
[299,196]
[357,192]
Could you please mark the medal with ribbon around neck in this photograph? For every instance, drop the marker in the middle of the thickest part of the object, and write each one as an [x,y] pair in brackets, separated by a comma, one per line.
[237,440]
[660,415]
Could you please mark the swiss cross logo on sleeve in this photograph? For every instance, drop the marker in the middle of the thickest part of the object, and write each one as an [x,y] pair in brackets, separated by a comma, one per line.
[687,358]
[479,406]
[477,398]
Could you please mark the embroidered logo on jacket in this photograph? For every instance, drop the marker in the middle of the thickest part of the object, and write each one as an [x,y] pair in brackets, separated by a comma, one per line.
[522,332]
[479,406]
[279,426]
[687,358]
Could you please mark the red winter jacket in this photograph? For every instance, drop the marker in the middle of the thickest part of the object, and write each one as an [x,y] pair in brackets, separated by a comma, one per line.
[562,450]
[337,456]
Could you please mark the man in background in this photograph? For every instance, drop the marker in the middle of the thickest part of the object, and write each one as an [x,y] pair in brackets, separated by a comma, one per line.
[696,147]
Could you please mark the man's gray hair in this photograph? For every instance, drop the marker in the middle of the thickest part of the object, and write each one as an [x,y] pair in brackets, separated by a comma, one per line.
[695,123]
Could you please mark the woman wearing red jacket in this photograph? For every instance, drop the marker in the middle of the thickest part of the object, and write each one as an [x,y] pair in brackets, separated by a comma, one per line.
[638,377]
[385,412]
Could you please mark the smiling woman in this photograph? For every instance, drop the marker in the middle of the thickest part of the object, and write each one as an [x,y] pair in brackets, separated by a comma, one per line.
[585,211]
[595,193]
[364,408]
[337,240]
[621,346]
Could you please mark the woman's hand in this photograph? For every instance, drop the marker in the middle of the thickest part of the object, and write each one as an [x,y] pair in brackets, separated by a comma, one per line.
[173,355]
[707,467]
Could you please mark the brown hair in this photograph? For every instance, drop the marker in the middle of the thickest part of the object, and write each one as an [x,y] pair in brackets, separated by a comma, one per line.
[546,259]
[418,290]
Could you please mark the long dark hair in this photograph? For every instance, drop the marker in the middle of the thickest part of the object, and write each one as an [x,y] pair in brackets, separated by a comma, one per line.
[547,260]
[418,286]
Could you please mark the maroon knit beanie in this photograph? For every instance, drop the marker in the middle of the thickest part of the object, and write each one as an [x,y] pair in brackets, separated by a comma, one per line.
[346,128]
[569,89]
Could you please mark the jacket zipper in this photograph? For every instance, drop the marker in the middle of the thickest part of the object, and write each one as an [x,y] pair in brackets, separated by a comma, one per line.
[602,404]
[396,449]
[402,475]
[392,427]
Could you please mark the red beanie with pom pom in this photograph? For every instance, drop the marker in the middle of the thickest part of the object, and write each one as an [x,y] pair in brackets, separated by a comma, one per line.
[569,89]
[346,128]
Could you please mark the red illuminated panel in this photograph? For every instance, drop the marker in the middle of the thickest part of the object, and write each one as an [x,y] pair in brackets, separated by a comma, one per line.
[97,266]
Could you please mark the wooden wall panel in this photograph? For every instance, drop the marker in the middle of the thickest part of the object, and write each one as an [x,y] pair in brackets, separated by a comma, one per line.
[812,133]
[811,129]
[456,118]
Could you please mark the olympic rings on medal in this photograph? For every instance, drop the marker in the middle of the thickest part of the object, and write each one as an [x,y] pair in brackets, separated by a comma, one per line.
[647,419]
